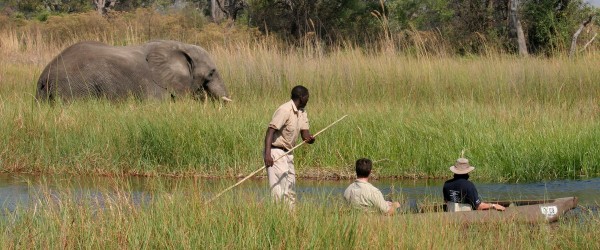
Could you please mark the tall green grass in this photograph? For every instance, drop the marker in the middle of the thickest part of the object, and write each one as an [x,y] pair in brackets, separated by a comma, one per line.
[517,118]
[178,218]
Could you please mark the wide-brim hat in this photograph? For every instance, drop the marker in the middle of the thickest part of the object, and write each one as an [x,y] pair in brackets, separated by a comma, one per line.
[462,166]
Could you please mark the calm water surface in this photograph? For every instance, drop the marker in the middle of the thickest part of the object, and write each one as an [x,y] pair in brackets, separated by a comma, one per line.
[23,190]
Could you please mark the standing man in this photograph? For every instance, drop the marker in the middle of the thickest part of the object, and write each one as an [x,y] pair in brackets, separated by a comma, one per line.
[288,121]
[363,195]
[460,194]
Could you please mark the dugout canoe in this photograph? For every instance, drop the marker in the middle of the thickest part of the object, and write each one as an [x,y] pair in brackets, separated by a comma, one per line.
[531,211]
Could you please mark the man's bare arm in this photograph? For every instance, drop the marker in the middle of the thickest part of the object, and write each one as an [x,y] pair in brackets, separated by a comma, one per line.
[486,206]
[307,137]
[267,152]
[393,206]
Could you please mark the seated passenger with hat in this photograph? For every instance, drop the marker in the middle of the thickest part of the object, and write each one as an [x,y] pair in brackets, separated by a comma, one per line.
[460,194]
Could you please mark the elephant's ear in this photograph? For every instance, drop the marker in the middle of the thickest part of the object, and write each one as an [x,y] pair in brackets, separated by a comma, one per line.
[171,68]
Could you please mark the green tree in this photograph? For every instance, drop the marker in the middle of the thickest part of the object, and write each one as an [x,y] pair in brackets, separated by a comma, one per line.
[421,14]
[356,20]
[476,25]
[551,23]
[130,5]
[67,6]
[43,8]
[329,20]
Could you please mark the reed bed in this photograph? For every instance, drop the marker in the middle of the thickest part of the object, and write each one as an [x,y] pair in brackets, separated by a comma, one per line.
[176,217]
[517,119]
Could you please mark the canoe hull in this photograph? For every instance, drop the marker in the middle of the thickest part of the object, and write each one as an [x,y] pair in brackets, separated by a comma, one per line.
[533,212]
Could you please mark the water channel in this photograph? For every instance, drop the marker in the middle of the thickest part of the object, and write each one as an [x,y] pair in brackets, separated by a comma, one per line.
[22,190]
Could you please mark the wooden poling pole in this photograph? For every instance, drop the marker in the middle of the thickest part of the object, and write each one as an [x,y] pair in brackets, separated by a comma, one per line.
[263,167]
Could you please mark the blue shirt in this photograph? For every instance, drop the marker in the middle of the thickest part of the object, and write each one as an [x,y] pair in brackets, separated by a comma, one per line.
[461,190]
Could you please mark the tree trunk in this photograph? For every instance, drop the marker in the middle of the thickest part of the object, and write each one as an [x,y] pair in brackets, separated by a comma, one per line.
[99,6]
[217,12]
[516,24]
[102,6]
[576,35]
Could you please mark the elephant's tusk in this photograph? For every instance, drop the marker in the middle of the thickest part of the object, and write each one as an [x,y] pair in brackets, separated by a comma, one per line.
[226,99]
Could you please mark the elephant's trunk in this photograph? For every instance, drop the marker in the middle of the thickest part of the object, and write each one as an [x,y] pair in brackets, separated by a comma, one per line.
[216,89]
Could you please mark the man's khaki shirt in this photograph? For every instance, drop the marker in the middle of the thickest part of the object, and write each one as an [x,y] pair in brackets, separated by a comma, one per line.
[287,122]
[365,196]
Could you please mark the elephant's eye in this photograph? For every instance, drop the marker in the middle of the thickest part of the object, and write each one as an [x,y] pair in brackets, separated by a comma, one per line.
[211,73]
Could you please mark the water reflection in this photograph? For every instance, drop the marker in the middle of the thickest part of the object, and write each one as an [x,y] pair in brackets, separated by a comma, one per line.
[23,190]
[588,190]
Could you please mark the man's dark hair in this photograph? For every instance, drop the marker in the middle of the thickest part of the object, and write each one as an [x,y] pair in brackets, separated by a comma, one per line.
[363,167]
[299,91]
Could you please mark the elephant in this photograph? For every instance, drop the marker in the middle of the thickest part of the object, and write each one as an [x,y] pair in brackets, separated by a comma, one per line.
[158,69]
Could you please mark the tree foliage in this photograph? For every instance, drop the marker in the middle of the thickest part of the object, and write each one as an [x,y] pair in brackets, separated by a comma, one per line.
[42,8]
[329,20]
[551,23]
[421,14]
[468,26]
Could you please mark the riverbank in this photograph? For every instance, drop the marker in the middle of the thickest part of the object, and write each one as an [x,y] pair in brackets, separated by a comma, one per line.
[177,217]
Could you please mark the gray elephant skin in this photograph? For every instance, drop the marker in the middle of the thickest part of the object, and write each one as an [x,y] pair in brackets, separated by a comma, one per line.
[155,70]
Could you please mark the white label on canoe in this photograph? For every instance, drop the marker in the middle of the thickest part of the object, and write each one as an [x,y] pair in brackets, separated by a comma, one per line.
[549,211]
